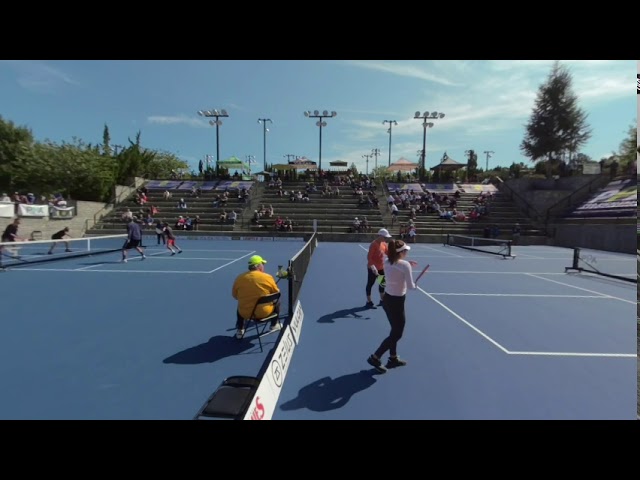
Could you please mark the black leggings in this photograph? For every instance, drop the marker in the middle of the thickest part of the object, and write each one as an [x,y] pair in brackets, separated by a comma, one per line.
[371,279]
[394,308]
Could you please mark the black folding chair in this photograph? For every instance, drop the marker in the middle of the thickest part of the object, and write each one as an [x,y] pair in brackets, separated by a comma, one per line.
[262,323]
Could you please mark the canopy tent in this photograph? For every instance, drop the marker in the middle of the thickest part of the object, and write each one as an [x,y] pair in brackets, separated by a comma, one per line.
[304,163]
[233,163]
[402,165]
[448,164]
[338,163]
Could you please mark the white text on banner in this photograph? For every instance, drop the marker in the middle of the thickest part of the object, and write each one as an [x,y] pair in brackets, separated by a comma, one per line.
[7,210]
[62,212]
[266,397]
[296,322]
[33,210]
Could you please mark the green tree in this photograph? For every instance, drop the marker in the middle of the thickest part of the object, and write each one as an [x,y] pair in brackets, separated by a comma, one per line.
[106,141]
[15,143]
[628,147]
[557,125]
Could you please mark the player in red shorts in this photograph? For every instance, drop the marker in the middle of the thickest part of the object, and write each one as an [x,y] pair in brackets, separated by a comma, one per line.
[171,239]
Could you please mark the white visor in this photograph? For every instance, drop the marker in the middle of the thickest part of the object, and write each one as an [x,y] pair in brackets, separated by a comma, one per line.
[403,248]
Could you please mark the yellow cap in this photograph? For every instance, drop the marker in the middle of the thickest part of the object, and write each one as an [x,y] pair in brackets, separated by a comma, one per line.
[256,260]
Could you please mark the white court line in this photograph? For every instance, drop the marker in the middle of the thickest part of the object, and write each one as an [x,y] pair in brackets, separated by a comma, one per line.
[82,269]
[529,257]
[155,247]
[233,261]
[176,257]
[509,352]
[515,295]
[442,251]
[580,288]
[475,329]
[575,354]
[105,270]
[466,272]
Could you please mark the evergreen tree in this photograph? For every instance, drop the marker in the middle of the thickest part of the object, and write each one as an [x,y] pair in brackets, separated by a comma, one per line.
[557,124]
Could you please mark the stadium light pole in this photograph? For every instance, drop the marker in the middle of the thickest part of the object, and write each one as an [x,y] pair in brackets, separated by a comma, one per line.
[264,121]
[217,114]
[320,123]
[367,157]
[391,124]
[488,153]
[375,152]
[425,124]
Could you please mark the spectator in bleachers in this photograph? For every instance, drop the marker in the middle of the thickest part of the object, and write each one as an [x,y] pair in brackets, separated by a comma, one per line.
[180,223]
[356,225]
[279,224]
[127,216]
[166,195]
[305,197]
[233,217]
[196,222]
[182,205]
[5,198]
[223,216]
[270,211]
[288,225]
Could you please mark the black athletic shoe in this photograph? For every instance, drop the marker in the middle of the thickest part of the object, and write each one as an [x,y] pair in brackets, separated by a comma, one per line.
[377,364]
[394,362]
[370,305]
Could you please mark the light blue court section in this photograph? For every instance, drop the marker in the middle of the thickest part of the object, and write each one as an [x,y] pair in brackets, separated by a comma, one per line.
[153,344]
[503,350]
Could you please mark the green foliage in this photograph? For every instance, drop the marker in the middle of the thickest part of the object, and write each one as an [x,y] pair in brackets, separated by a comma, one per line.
[628,147]
[557,125]
[78,170]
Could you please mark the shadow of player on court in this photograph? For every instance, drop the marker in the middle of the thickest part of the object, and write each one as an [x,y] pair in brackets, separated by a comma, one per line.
[344,313]
[330,394]
[215,349]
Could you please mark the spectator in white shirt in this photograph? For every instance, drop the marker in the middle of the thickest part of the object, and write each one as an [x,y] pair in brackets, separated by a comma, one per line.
[398,278]
[5,198]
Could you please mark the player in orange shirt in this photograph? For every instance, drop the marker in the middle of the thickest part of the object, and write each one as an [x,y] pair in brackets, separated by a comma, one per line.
[375,263]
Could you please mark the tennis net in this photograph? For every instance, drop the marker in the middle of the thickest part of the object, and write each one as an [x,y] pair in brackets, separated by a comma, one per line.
[297,270]
[605,264]
[16,254]
[486,245]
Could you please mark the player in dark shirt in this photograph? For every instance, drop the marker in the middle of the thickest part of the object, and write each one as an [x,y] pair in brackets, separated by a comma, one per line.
[134,240]
[10,234]
[171,239]
[64,233]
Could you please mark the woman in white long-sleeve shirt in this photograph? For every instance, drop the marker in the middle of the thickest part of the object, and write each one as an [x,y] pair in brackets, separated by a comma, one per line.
[398,279]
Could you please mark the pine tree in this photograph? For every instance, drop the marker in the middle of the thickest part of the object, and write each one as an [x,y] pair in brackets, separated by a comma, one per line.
[106,141]
[557,124]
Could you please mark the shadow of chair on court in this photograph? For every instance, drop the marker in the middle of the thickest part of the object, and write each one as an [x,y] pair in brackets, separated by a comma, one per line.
[344,313]
[331,394]
[217,348]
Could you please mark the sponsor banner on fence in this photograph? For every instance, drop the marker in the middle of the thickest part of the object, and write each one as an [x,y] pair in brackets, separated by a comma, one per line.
[162,184]
[234,185]
[266,397]
[619,197]
[476,188]
[440,187]
[61,213]
[404,187]
[33,210]
[187,185]
[7,210]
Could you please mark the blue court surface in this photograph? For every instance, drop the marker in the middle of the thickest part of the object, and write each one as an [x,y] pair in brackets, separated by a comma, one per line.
[486,337]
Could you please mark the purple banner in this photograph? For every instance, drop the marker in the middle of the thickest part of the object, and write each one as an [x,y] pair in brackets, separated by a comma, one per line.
[187,185]
[477,188]
[440,187]
[208,185]
[617,199]
[404,187]
[162,184]
[233,185]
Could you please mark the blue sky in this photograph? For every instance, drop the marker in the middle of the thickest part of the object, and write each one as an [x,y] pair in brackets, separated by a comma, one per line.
[486,104]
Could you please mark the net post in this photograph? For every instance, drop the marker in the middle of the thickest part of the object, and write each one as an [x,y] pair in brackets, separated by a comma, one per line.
[290,281]
[576,258]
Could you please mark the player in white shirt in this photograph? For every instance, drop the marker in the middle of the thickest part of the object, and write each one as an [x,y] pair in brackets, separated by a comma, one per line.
[398,278]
